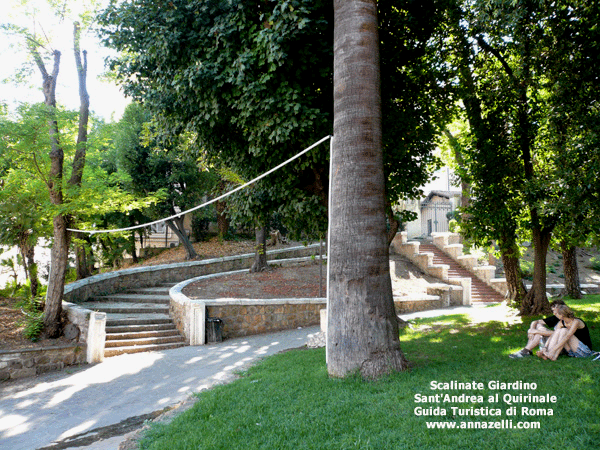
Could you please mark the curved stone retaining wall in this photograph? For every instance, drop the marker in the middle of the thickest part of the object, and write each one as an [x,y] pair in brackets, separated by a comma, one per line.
[242,317]
[92,324]
[121,280]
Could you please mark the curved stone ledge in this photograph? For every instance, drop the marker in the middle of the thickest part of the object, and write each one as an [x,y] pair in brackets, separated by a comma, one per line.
[120,280]
[241,316]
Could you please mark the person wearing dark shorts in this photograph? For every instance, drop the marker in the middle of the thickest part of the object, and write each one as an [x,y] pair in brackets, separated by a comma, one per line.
[571,334]
[539,332]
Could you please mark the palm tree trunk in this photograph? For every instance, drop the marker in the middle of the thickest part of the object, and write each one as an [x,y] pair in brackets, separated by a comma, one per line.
[362,330]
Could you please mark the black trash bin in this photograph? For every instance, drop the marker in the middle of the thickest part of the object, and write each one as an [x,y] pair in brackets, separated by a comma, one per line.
[214,330]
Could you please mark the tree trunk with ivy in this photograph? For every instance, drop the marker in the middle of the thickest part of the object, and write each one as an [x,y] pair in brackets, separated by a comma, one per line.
[514,281]
[536,301]
[260,252]
[571,271]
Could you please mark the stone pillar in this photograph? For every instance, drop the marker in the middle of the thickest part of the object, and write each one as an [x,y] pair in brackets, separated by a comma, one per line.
[96,337]
[197,323]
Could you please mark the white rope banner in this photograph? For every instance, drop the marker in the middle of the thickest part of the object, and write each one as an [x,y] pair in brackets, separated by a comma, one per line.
[227,194]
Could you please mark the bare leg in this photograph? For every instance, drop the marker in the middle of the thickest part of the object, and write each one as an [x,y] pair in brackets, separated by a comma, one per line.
[534,338]
[553,348]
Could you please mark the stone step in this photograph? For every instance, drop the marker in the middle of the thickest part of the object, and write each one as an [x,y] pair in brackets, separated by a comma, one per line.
[135,308]
[130,298]
[136,334]
[158,290]
[127,308]
[481,293]
[141,348]
[119,320]
[151,340]
[141,328]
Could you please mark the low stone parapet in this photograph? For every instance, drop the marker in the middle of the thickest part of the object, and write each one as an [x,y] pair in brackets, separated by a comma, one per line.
[485,273]
[451,295]
[92,330]
[241,317]
[423,261]
[500,286]
[412,304]
[469,262]
[441,240]
[30,362]
[439,271]
[454,250]
[465,286]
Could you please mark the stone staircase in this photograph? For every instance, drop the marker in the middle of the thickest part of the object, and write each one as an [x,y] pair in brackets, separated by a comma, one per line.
[481,293]
[137,321]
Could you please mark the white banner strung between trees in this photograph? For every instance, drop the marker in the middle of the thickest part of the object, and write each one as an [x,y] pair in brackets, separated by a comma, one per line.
[227,194]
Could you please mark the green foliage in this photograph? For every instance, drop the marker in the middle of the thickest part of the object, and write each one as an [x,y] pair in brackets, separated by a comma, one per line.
[34,325]
[32,308]
[528,87]
[252,80]
[200,222]
[526,269]
[595,263]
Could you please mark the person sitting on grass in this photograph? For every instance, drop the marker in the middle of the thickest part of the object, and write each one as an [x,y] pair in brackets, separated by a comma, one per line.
[571,333]
[539,332]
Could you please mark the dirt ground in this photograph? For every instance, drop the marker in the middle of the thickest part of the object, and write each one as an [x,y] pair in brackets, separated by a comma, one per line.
[303,281]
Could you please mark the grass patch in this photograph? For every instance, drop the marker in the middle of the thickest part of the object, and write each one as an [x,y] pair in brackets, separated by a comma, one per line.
[288,401]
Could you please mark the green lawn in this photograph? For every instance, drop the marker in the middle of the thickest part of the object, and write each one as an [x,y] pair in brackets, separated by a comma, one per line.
[288,402]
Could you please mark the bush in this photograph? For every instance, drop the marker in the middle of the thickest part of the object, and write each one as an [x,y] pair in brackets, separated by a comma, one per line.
[595,263]
[526,269]
[34,316]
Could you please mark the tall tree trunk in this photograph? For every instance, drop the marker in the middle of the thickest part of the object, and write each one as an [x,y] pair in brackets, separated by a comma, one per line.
[83,256]
[84,109]
[28,254]
[58,253]
[536,300]
[571,271]
[514,282]
[260,252]
[132,242]
[81,148]
[393,224]
[60,246]
[177,226]
[362,328]
[222,219]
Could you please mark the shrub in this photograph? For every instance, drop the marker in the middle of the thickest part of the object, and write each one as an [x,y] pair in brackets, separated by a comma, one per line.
[526,269]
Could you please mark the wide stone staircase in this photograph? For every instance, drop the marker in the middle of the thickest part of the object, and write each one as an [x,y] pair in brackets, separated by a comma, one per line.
[137,320]
[481,293]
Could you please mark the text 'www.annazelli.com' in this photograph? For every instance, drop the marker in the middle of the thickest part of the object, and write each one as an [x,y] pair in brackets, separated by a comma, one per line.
[483,425]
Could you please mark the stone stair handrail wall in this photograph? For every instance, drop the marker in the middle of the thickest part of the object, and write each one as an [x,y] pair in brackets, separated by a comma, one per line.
[410,249]
[448,243]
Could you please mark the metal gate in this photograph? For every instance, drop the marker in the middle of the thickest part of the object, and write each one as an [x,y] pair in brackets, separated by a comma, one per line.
[434,216]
